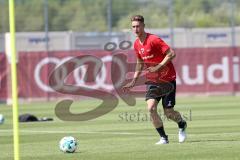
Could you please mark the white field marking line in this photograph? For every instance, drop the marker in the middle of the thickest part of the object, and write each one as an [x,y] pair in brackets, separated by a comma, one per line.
[110,133]
[88,132]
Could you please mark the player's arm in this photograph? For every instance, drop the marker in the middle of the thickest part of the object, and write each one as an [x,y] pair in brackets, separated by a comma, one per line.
[137,73]
[138,69]
[170,55]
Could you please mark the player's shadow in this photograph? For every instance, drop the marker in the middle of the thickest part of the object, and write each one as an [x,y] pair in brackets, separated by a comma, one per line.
[212,140]
[76,152]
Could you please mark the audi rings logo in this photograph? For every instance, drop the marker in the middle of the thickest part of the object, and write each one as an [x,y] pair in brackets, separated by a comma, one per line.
[79,73]
[90,75]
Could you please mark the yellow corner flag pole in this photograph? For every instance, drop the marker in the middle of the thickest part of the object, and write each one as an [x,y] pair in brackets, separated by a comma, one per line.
[14,80]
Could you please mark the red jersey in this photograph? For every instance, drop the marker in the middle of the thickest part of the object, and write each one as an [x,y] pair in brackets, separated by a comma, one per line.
[152,52]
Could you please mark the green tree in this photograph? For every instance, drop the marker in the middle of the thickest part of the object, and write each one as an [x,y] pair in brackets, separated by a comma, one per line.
[156,19]
[91,15]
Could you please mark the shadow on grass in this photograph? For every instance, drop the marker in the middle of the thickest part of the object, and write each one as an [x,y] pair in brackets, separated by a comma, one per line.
[212,140]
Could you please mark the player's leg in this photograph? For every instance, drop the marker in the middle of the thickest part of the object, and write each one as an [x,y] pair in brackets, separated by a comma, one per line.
[152,102]
[168,103]
[182,124]
[172,114]
[156,120]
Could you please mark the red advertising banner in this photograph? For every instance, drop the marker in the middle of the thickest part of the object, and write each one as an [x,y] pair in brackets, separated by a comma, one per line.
[199,70]
[208,70]
[3,77]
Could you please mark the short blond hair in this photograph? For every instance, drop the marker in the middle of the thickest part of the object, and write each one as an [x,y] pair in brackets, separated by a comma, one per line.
[138,18]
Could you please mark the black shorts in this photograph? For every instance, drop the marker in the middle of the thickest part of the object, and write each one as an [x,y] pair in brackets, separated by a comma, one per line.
[165,91]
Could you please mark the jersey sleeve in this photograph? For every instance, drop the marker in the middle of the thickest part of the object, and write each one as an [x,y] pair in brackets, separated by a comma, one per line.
[161,45]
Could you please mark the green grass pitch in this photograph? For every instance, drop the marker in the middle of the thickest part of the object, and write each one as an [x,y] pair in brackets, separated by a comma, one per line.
[127,133]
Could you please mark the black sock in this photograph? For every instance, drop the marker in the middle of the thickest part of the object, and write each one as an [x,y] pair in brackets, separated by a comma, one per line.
[161,132]
[181,124]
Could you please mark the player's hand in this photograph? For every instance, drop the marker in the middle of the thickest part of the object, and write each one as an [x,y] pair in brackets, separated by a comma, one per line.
[154,68]
[128,86]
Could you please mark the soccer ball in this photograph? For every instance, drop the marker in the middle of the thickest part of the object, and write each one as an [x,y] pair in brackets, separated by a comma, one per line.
[1,119]
[68,144]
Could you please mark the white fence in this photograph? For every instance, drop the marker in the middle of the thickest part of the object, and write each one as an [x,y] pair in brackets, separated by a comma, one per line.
[200,37]
[57,41]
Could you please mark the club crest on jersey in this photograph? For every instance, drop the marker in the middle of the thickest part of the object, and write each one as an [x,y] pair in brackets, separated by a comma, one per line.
[141,51]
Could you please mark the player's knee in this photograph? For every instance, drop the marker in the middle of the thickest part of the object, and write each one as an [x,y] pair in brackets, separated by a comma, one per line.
[152,109]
